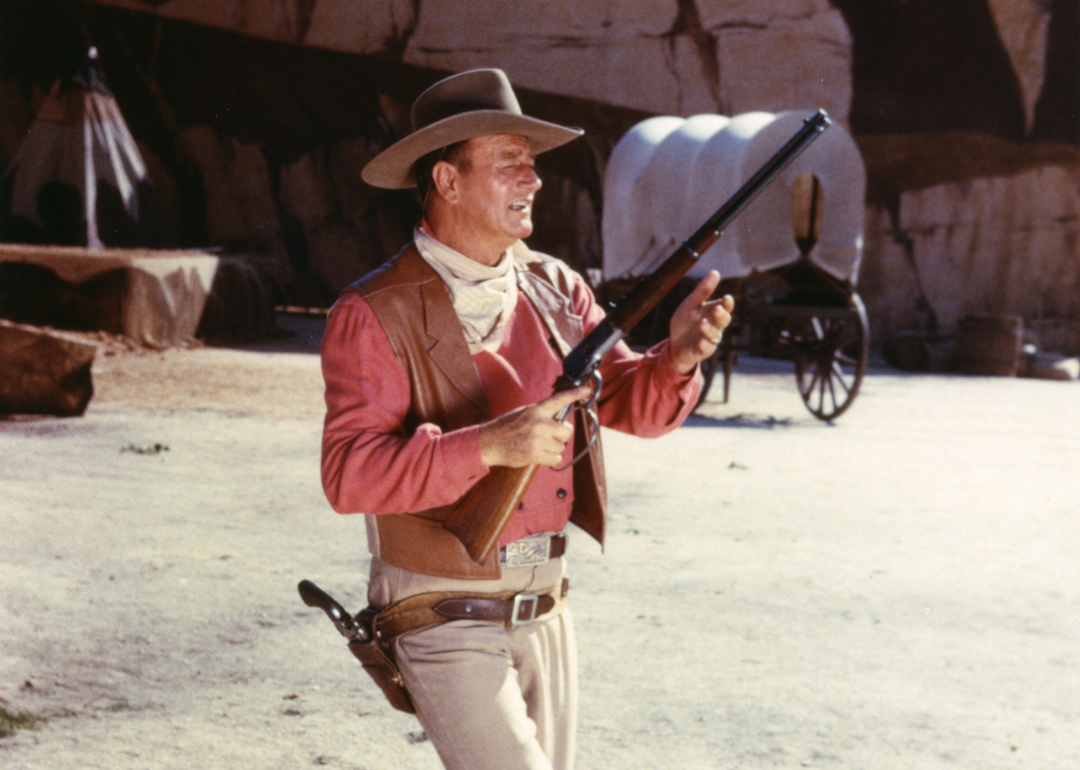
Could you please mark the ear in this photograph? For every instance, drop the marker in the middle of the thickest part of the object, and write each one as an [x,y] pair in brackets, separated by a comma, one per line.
[447,181]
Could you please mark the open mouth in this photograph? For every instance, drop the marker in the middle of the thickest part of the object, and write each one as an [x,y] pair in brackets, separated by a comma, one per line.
[520,206]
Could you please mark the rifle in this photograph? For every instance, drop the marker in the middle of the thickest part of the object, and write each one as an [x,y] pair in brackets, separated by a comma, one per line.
[497,494]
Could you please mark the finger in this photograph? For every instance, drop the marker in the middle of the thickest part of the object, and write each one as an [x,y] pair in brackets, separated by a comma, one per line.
[550,451]
[555,403]
[710,332]
[706,286]
[553,460]
[723,302]
[562,432]
[727,302]
[717,315]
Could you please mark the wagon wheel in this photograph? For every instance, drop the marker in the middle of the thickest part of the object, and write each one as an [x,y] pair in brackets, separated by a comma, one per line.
[832,348]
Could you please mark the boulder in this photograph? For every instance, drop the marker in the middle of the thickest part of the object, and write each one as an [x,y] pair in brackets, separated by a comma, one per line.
[1054,366]
[43,372]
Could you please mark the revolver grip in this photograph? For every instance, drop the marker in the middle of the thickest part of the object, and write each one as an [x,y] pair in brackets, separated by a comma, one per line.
[313,596]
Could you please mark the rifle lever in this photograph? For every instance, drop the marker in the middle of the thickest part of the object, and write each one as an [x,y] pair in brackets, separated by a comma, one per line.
[590,414]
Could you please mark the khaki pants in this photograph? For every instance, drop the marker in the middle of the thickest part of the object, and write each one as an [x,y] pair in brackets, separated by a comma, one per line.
[489,696]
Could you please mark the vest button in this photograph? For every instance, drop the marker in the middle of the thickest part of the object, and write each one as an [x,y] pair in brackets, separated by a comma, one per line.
[561,494]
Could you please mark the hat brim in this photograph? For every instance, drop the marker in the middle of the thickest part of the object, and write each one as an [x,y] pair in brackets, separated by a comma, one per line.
[392,169]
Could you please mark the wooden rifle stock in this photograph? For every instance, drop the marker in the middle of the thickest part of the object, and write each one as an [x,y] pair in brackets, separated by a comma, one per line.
[490,506]
[483,513]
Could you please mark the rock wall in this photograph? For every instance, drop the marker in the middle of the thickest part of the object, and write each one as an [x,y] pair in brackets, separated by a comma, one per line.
[662,56]
[1056,117]
[312,220]
[263,141]
[929,66]
[257,115]
[667,56]
[1001,245]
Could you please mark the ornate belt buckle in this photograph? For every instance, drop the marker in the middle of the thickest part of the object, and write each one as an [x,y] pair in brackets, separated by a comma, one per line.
[535,549]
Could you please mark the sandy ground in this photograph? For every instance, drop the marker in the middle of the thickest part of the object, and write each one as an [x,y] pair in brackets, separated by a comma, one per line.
[900,590]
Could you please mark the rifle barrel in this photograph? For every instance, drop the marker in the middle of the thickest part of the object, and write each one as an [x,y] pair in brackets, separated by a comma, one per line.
[631,309]
[496,496]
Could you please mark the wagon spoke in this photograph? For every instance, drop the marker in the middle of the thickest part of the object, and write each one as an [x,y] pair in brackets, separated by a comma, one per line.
[831,357]
[808,388]
[811,396]
[848,341]
[841,377]
[845,359]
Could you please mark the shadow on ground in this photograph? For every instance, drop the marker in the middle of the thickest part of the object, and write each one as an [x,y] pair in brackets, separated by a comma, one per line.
[767,422]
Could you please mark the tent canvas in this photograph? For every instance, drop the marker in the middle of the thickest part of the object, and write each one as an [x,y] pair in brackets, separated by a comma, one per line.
[667,175]
[78,178]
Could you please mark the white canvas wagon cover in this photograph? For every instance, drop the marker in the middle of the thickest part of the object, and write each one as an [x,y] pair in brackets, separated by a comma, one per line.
[668,175]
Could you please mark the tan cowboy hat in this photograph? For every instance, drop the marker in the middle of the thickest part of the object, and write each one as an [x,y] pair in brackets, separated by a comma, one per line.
[463,106]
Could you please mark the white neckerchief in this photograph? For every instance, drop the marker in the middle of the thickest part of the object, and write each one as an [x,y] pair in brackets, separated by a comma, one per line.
[483,297]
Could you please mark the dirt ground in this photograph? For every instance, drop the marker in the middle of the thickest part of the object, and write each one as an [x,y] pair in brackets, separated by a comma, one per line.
[898,590]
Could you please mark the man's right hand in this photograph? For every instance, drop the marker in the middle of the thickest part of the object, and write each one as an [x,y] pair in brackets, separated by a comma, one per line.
[530,435]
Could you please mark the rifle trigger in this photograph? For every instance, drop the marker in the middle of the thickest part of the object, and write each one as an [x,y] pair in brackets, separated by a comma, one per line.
[590,414]
[598,384]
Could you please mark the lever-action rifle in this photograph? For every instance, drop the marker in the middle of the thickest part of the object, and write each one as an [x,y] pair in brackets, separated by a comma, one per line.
[496,496]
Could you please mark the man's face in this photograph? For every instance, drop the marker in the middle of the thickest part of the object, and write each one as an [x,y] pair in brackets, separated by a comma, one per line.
[498,184]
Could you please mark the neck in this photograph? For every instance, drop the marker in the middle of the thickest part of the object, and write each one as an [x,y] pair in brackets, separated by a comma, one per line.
[461,238]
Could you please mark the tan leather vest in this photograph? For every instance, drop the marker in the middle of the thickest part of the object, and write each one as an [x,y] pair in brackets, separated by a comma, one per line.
[415,311]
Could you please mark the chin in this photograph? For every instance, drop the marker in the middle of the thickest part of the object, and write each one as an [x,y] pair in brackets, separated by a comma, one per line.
[523,229]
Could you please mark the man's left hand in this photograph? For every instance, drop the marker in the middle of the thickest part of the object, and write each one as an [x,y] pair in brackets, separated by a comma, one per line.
[698,324]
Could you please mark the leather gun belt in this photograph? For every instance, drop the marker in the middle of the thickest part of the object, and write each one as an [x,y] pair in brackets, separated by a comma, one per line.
[509,608]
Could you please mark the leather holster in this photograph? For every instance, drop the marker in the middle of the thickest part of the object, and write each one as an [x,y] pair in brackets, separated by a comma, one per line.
[379,663]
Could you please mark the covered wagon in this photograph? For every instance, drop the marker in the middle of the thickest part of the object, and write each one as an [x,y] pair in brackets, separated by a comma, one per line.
[791,258]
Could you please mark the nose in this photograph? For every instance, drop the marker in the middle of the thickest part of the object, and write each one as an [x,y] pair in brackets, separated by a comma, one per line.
[531,180]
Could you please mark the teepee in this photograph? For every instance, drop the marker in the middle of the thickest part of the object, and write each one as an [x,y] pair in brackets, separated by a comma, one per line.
[78,178]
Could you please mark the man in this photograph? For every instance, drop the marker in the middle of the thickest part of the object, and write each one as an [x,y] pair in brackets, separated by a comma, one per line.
[440,366]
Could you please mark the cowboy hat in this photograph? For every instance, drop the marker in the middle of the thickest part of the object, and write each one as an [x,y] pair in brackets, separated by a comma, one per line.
[469,104]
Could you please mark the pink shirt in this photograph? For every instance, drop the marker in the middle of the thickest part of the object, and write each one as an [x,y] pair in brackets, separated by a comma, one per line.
[369,467]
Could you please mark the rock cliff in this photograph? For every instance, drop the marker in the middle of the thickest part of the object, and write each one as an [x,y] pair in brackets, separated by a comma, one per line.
[991,244]
[257,116]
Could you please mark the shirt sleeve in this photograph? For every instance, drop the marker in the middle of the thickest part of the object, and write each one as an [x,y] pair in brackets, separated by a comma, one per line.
[370,463]
[642,393]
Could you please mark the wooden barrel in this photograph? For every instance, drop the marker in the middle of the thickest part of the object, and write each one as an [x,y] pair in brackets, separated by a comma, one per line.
[989,345]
